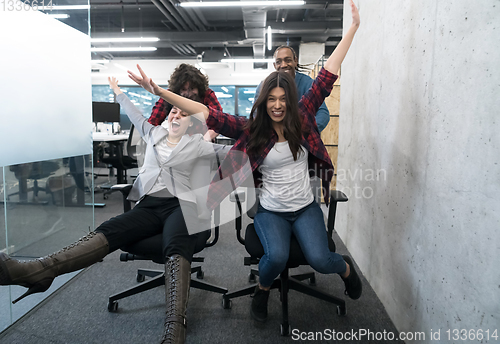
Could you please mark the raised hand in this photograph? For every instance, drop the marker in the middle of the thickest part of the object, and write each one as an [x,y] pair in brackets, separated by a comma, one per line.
[335,60]
[113,84]
[144,81]
[355,14]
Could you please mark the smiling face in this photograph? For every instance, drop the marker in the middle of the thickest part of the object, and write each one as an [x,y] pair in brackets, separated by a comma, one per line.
[178,123]
[276,105]
[285,61]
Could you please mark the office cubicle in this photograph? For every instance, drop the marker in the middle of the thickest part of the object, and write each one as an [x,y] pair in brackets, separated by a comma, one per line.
[45,140]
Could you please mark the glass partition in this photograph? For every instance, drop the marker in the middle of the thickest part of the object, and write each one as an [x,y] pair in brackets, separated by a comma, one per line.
[46,173]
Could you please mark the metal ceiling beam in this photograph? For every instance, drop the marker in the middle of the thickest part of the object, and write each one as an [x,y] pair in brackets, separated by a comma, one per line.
[179,11]
[194,18]
[176,15]
[167,14]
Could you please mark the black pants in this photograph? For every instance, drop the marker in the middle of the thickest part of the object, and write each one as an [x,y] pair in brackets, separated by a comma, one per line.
[152,216]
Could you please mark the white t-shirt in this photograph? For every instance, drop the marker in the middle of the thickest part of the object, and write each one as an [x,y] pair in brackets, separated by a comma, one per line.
[285,183]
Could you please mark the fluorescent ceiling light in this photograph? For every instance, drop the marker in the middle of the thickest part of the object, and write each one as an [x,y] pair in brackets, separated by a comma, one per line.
[59,16]
[99,61]
[249,91]
[269,38]
[247,60]
[242,3]
[225,89]
[50,7]
[123,49]
[124,40]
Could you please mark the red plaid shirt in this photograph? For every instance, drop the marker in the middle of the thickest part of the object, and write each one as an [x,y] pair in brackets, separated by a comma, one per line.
[159,112]
[238,166]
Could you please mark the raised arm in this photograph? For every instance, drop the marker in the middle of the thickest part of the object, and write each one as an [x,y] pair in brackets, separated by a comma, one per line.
[335,60]
[135,115]
[190,106]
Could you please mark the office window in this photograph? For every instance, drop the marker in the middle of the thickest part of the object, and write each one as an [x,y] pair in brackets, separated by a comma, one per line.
[139,96]
[102,93]
[226,97]
[246,97]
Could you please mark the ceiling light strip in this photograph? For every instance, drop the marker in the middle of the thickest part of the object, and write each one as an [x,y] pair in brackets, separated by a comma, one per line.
[124,40]
[123,49]
[50,7]
[242,3]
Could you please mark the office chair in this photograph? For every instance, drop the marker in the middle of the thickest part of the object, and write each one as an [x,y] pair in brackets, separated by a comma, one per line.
[122,162]
[151,249]
[284,282]
[34,171]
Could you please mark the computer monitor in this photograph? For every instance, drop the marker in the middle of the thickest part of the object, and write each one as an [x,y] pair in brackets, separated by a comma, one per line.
[105,112]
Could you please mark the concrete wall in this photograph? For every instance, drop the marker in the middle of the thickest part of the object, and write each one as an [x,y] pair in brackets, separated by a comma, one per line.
[419,155]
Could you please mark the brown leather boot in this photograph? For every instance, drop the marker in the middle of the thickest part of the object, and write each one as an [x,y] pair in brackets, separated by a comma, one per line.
[177,280]
[37,275]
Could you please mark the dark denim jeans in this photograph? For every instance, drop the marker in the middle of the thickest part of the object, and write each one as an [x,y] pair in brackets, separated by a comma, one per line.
[307,224]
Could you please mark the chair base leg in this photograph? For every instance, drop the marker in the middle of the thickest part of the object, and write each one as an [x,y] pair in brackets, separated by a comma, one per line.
[158,279]
[284,283]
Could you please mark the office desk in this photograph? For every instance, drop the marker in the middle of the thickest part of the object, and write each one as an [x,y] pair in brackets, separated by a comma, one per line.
[115,143]
[104,137]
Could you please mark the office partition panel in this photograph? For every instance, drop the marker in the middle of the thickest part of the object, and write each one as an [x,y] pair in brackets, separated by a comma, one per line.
[45,138]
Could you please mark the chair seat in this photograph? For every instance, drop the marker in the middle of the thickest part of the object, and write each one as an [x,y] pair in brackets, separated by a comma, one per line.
[152,249]
[126,161]
[255,249]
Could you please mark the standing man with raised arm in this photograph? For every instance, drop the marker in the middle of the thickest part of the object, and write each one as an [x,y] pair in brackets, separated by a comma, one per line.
[285,59]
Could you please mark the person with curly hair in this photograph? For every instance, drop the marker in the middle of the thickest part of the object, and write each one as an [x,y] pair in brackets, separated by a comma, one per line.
[186,80]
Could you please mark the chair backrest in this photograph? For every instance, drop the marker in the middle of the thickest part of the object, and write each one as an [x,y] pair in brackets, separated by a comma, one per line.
[133,142]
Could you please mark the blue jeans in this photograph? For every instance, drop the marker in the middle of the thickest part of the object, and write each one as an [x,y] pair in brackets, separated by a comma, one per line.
[307,224]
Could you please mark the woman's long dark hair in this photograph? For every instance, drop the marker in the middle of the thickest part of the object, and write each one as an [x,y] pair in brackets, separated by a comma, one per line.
[261,125]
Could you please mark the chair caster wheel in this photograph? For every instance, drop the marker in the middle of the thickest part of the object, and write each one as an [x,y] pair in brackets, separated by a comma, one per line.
[226,303]
[112,306]
[105,196]
[252,278]
[285,330]
[341,311]
[140,278]
[312,281]
[200,274]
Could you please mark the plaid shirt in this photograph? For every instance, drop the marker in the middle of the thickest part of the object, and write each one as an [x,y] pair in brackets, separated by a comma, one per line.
[237,167]
[159,112]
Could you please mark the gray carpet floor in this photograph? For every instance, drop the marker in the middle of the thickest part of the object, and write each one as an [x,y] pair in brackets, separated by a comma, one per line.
[77,313]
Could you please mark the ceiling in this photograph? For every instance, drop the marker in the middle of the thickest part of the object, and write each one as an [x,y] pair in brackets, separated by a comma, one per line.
[211,32]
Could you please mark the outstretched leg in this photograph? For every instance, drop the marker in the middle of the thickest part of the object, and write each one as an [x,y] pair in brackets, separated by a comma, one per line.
[37,275]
